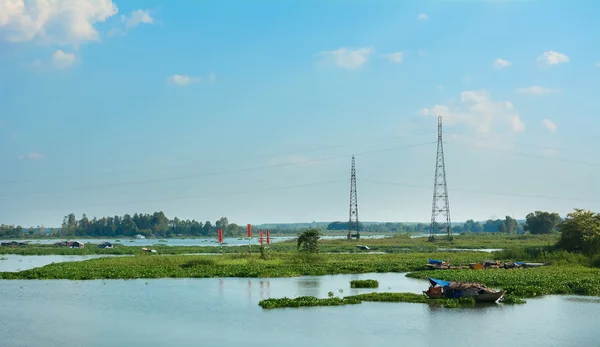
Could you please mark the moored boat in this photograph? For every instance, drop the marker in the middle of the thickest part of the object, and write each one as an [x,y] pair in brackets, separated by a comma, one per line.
[455,290]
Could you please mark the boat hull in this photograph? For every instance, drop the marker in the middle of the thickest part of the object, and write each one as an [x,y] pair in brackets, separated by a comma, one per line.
[491,297]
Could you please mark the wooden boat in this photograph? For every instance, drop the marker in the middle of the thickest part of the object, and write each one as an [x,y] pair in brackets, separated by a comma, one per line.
[455,290]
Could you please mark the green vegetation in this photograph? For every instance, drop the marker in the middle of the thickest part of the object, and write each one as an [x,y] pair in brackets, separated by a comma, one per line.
[364,284]
[306,301]
[236,265]
[308,241]
[400,243]
[309,301]
[541,222]
[524,283]
[580,232]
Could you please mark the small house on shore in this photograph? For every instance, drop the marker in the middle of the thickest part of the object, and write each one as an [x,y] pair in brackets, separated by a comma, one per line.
[13,243]
[75,244]
[105,245]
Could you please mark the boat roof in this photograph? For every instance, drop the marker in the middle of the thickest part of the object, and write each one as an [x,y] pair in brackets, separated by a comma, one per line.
[434,282]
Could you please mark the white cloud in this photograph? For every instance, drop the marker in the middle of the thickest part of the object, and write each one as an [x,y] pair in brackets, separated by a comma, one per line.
[346,58]
[53,21]
[31,156]
[212,77]
[537,90]
[183,80]
[395,57]
[62,60]
[598,64]
[552,58]
[421,53]
[479,112]
[136,18]
[422,16]
[501,63]
[549,125]
[467,78]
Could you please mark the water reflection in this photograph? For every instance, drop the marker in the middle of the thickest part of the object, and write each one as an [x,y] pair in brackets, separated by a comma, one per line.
[183,312]
[15,263]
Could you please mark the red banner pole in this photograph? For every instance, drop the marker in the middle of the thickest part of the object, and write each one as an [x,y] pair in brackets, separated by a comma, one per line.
[249,227]
[220,236]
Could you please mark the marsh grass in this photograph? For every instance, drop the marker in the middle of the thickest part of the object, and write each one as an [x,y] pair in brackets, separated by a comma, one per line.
[311,301]
[364,284]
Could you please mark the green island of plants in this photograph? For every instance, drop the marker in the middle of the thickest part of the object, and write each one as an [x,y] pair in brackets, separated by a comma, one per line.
[310,301]
[364,284]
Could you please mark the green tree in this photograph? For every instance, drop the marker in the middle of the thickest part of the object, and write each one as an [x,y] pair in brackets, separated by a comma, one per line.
[510,224]
[308,241]
[541,222]
[580,232]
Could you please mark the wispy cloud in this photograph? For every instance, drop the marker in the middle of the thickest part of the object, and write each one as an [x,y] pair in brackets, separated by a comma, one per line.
[30,156]
[598,64]
[549,125]
[136,18]
[501,63]
[62,60]
[478,111]
[537,90]
[422,16]
[552,58]
[346,58]
[395,57]
[183,80]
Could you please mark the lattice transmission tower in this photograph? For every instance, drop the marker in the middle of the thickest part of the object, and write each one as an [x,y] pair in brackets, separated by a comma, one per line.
[440,209]
[353,220]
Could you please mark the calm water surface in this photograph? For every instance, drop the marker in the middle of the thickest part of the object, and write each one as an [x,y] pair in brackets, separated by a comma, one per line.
[193,242]
[14,263]
[224,312]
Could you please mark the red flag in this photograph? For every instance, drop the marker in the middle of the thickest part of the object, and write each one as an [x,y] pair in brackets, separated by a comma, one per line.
[220,235]
[249,230]
[260,232]
[268,237]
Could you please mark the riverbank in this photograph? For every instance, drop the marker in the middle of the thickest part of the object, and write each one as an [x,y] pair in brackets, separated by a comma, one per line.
[567,275]
[397,244]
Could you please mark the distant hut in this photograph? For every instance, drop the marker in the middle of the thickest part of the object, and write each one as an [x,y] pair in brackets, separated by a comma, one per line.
[76,244]
[105,245]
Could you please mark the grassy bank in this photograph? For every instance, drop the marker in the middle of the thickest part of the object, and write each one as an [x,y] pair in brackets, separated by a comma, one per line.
[311,301]
[397,244]
[280,265]
[525,283]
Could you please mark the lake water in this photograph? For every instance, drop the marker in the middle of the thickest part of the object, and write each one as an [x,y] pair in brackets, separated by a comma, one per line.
[14,263]
[225,312]
[192,242]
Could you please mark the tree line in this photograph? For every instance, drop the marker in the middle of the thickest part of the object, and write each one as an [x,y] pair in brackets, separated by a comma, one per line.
[158,225]
[147,225]
[537,222]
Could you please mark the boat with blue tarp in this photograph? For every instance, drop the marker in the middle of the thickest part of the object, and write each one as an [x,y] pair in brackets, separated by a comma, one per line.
[454,290]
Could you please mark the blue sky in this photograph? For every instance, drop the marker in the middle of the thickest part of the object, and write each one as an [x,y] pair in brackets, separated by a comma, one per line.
[252,109]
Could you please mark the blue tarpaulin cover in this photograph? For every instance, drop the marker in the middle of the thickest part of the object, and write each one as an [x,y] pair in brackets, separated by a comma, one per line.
[433,261]
[439,282]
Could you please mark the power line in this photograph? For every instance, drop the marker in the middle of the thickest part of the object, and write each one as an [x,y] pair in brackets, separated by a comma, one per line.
[216,173]
[530,155]
[211,196]
[525,144]
[313,149]
[537,196]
